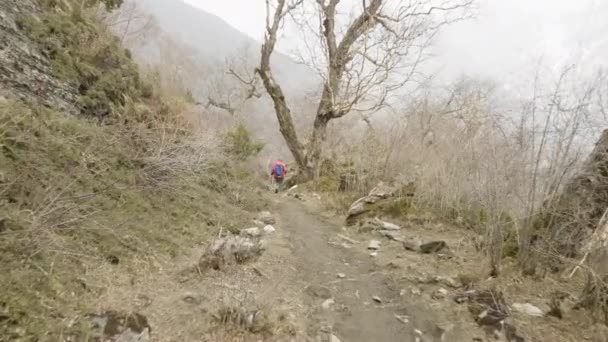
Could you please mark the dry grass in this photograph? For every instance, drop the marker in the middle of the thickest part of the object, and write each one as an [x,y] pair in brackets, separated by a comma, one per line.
[77,196]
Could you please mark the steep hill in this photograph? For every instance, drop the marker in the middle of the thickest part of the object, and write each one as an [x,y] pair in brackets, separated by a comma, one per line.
[100,178]
[215,40]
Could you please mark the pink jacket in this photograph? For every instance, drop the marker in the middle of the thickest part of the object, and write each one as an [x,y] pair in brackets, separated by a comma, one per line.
[274,167]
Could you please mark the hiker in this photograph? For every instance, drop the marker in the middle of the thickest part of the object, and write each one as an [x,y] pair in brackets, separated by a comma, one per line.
[278,173]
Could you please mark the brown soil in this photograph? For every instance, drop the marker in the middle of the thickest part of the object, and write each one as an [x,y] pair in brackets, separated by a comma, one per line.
[298,272]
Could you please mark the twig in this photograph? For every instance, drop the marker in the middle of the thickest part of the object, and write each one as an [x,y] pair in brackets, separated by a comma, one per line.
[598,236]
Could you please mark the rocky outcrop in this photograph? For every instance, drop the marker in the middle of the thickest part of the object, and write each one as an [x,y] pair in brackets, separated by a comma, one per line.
[25,72]
[230,250]
[365,205]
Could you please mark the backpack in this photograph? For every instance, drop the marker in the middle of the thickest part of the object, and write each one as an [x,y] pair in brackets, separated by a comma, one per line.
[278,171]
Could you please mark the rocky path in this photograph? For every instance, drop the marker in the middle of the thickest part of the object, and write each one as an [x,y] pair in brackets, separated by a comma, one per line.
[315,281]
[349,294]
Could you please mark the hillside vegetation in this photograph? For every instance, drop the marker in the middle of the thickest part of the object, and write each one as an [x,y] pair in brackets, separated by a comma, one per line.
[124,183]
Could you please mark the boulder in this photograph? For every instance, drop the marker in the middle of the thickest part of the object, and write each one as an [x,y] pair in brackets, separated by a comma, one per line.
[230,250]
[120,327]
[365,204]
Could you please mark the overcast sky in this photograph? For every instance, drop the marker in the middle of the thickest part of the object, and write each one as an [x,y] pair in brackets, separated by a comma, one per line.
[506,35]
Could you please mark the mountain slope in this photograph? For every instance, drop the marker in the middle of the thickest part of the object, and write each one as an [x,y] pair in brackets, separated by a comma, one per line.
[215,40]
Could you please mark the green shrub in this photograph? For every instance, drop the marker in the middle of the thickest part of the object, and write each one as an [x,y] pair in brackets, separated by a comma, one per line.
[239,143]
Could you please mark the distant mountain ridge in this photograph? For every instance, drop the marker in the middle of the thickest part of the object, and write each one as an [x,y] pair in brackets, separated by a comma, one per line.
[215,40]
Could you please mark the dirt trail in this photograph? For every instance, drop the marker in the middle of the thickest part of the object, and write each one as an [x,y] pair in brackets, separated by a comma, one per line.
[355,315]
[289,283]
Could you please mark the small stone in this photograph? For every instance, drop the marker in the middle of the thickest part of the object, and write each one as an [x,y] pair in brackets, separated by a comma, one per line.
[268,229]
[440,294]
[341,275]
[373,245]
[412,245]
[392,235]
[328,303]
[402,318]
[416,291]
[390,226]
[528,309]
[334,338]
[377,299]
[191,298]
[251,232]
[373,254]
[266,217]
[448,281]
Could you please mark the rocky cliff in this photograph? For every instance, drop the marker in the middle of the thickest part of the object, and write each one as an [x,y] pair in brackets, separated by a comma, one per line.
[25,71]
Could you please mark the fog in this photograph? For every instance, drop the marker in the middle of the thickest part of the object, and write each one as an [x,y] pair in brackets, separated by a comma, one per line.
[503,41]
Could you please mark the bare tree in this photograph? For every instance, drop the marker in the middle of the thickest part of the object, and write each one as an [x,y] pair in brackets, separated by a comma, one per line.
[363,61]
[131,23]
[234,85]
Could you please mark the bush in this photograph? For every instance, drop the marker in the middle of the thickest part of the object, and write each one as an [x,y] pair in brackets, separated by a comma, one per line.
[240,144]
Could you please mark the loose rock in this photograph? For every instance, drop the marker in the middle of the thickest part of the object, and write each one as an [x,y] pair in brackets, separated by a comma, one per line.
[341,275]
[528,309]
[392,235]
[389,226]
[440,294]
[269,229]
[266,217]
[333,338]
[377,299]
[433,247]
[328,303]
[416,291]
[402,318]
[373,245]
[412,245]
[120,326]
[251,232]
[234,249]
[191,298]
[361,206]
